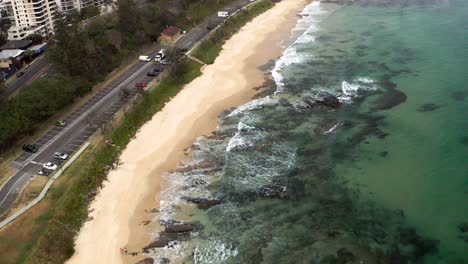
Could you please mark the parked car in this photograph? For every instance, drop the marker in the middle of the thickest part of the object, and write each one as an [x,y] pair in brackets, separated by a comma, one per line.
[19,74]
[223,14]
[60,155]
[44,172]
[61,123]
[144,58]
[141,85]
[29,148]
[182,51]
[158,70]
[165,62]
[50,166]
[152,73]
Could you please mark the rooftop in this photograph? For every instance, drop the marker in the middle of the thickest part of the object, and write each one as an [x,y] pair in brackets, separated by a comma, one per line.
[6,54]
[171,31]
[16,44]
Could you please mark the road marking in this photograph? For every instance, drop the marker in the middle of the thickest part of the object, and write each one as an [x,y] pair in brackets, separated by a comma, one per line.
[37,163]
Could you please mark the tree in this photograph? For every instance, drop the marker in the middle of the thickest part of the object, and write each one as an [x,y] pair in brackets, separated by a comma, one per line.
[35,38]
[28,54]
[67,52]
[128,17]
[150,20]
[88,12]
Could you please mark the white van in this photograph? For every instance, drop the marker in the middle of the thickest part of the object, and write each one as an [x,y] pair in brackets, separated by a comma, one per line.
[144,58]
[223,14]
[160,55]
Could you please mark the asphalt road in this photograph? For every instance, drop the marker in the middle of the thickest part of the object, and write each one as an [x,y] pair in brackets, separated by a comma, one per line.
[87,119]
[35,70]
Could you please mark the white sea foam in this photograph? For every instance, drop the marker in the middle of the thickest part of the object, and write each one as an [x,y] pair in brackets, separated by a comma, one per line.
[238,142]
[214,252]
[308,24]
[251,106]
[350,90]
[365,80]
[244,127]
[175,251]
[331,129]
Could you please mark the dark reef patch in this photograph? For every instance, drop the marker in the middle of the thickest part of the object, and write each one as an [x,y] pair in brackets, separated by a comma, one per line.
[429,107]
[388,99]
[459,95]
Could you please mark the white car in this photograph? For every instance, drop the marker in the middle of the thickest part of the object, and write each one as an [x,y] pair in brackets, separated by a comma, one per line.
[60,155]
[144,58]
[223,14]
[49,166]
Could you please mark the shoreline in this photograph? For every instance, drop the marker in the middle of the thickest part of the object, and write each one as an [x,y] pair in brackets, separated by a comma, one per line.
[119,218]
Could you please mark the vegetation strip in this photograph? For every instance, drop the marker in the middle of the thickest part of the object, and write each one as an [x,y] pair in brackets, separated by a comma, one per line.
[55,243]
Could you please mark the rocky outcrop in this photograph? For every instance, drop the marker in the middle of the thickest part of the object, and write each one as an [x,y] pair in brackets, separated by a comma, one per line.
[203,203]
[178,228]
[146,261]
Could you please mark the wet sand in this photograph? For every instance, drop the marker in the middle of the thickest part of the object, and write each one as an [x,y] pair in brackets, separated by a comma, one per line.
[119,208]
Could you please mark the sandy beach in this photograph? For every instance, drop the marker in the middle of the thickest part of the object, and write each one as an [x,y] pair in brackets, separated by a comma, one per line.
[119,208]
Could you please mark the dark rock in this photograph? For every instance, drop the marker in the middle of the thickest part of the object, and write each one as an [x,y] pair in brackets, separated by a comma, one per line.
[158,243]
[330,101]
[408,236]
[203,203]
[463,227]
[164,261]
[422,247]
[146,261]
[428,107]
[395,257]
[345,256]
[389,99]
[178,228]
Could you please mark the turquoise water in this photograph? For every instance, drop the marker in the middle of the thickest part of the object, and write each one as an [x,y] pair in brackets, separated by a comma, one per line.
[358,154]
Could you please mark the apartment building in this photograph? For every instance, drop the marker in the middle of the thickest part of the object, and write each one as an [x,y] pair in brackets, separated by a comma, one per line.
[68,5]
[32,17]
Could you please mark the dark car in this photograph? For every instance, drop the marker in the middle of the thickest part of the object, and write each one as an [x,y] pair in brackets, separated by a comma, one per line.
[211,25]
[152,73]
[19,74]
[30,148]
[182,51]
[158,69]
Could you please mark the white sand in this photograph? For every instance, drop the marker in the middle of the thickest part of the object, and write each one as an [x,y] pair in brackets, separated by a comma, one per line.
[160,143]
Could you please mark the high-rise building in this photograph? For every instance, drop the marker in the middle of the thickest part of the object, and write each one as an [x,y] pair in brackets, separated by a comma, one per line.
[68,5]
[32,17]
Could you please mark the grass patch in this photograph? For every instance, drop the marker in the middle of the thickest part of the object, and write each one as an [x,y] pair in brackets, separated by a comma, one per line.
[211,47]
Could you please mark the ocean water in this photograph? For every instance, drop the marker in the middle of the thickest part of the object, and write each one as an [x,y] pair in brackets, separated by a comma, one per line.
[357,154]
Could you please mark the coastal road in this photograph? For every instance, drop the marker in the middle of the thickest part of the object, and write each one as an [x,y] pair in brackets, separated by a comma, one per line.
[38,68]
[88,118]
